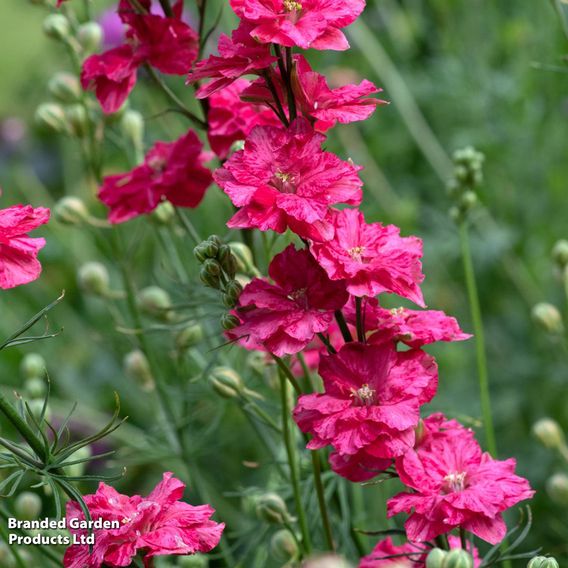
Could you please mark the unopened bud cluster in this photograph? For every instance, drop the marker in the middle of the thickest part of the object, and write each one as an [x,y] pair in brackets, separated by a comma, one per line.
[543,562]
[467,177]
[455,558]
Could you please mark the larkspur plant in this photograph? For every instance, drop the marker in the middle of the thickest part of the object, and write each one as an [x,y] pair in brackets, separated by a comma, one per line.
[351,373]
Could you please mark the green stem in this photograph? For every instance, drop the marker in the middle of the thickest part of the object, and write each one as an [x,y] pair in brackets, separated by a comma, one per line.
[327,343]
[189,228]
[288,374]
[477,321]
[292,461]
[316,468]
[262,415]
[340,318]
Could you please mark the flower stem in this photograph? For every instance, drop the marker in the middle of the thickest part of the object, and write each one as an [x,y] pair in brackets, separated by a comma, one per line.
[343,326]
[360,322]
[288,374]
[292,461]
[316,467]
[479,338]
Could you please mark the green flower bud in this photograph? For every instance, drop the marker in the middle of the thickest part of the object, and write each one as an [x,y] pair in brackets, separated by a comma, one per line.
[70,211]
[283,546]
[557,488]
[35,387]
[193,561]
[155,301]
[65,87]
[28,506]
[548,318]
[32,366]
[200,251]
[132,126]
[78,120]
[436,558]
[271,508]
[560,253]
[208,279]
[212,267]
[211,249]
[90,36]
[226,382]
[51,116]
[191,336]
[549,433]
[458,558]
[237,145]
[94,279]
[215,239]
[78,469]
[228,301]
[227,260]
[164,214]
[328,561]
[543,562]
[56,26]
[136,366]
[229,321]
[233,289]
[244,258]
[468,200]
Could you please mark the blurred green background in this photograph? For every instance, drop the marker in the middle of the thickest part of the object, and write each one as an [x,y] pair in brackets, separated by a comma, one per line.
[458,72]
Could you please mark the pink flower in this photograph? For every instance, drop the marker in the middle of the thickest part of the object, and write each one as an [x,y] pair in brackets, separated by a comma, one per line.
[231,119]
[18,252]
[159,524]
[415,328]
[371,401]
[166,43]
[456,485]
[372,258]
[285,316]
[171,170]
[283,179]
[303,23]
[407,555]
[326,106]
[238,55]
[358,467]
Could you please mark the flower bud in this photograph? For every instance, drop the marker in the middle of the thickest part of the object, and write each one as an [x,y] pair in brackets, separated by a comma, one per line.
[32,366]
[228,301]
[229,321]
[136,366]
[193,561]
[65,87]
[200,251]
[51,116]
[215,239]
[164,214]
[56,26]
[468,200]
[549,433]
[283,546]
[70,211]
[78,120]
[227,260]
[155,301]
[328,561]
[244,258]
[226,382]
[35,387]
[543,562]
[28,506]
[78,469]
[132,126]
[548,318]
[90,36]
[208,279]
[560,253]
[94,279]
[458,558]
[212,267]
[557,488]
[191,336]
[436,558]
[271,508]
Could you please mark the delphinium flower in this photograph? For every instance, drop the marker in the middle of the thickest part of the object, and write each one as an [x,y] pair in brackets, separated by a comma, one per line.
[283,179]
[164,42]
[171,170]
[285,316]
[454,484]
[18,252]
[371,258]
[159,524]
[371,400]
[305,23]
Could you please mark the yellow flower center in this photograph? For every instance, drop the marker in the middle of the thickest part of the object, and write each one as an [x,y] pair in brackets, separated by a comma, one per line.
[292,6]
[356,253]
[364,396]
[455,481]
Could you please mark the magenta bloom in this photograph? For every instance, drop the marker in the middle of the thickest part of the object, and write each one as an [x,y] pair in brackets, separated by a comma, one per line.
[231,119]
[358,467]
[283,179]
[407,555]
[456,485]
[326,106]
[159,524]
[171,171]
[415,328]
[304,23]
[372,258]
[285,316]
[18,252]
[238,55]
[371,401]
[166,43]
